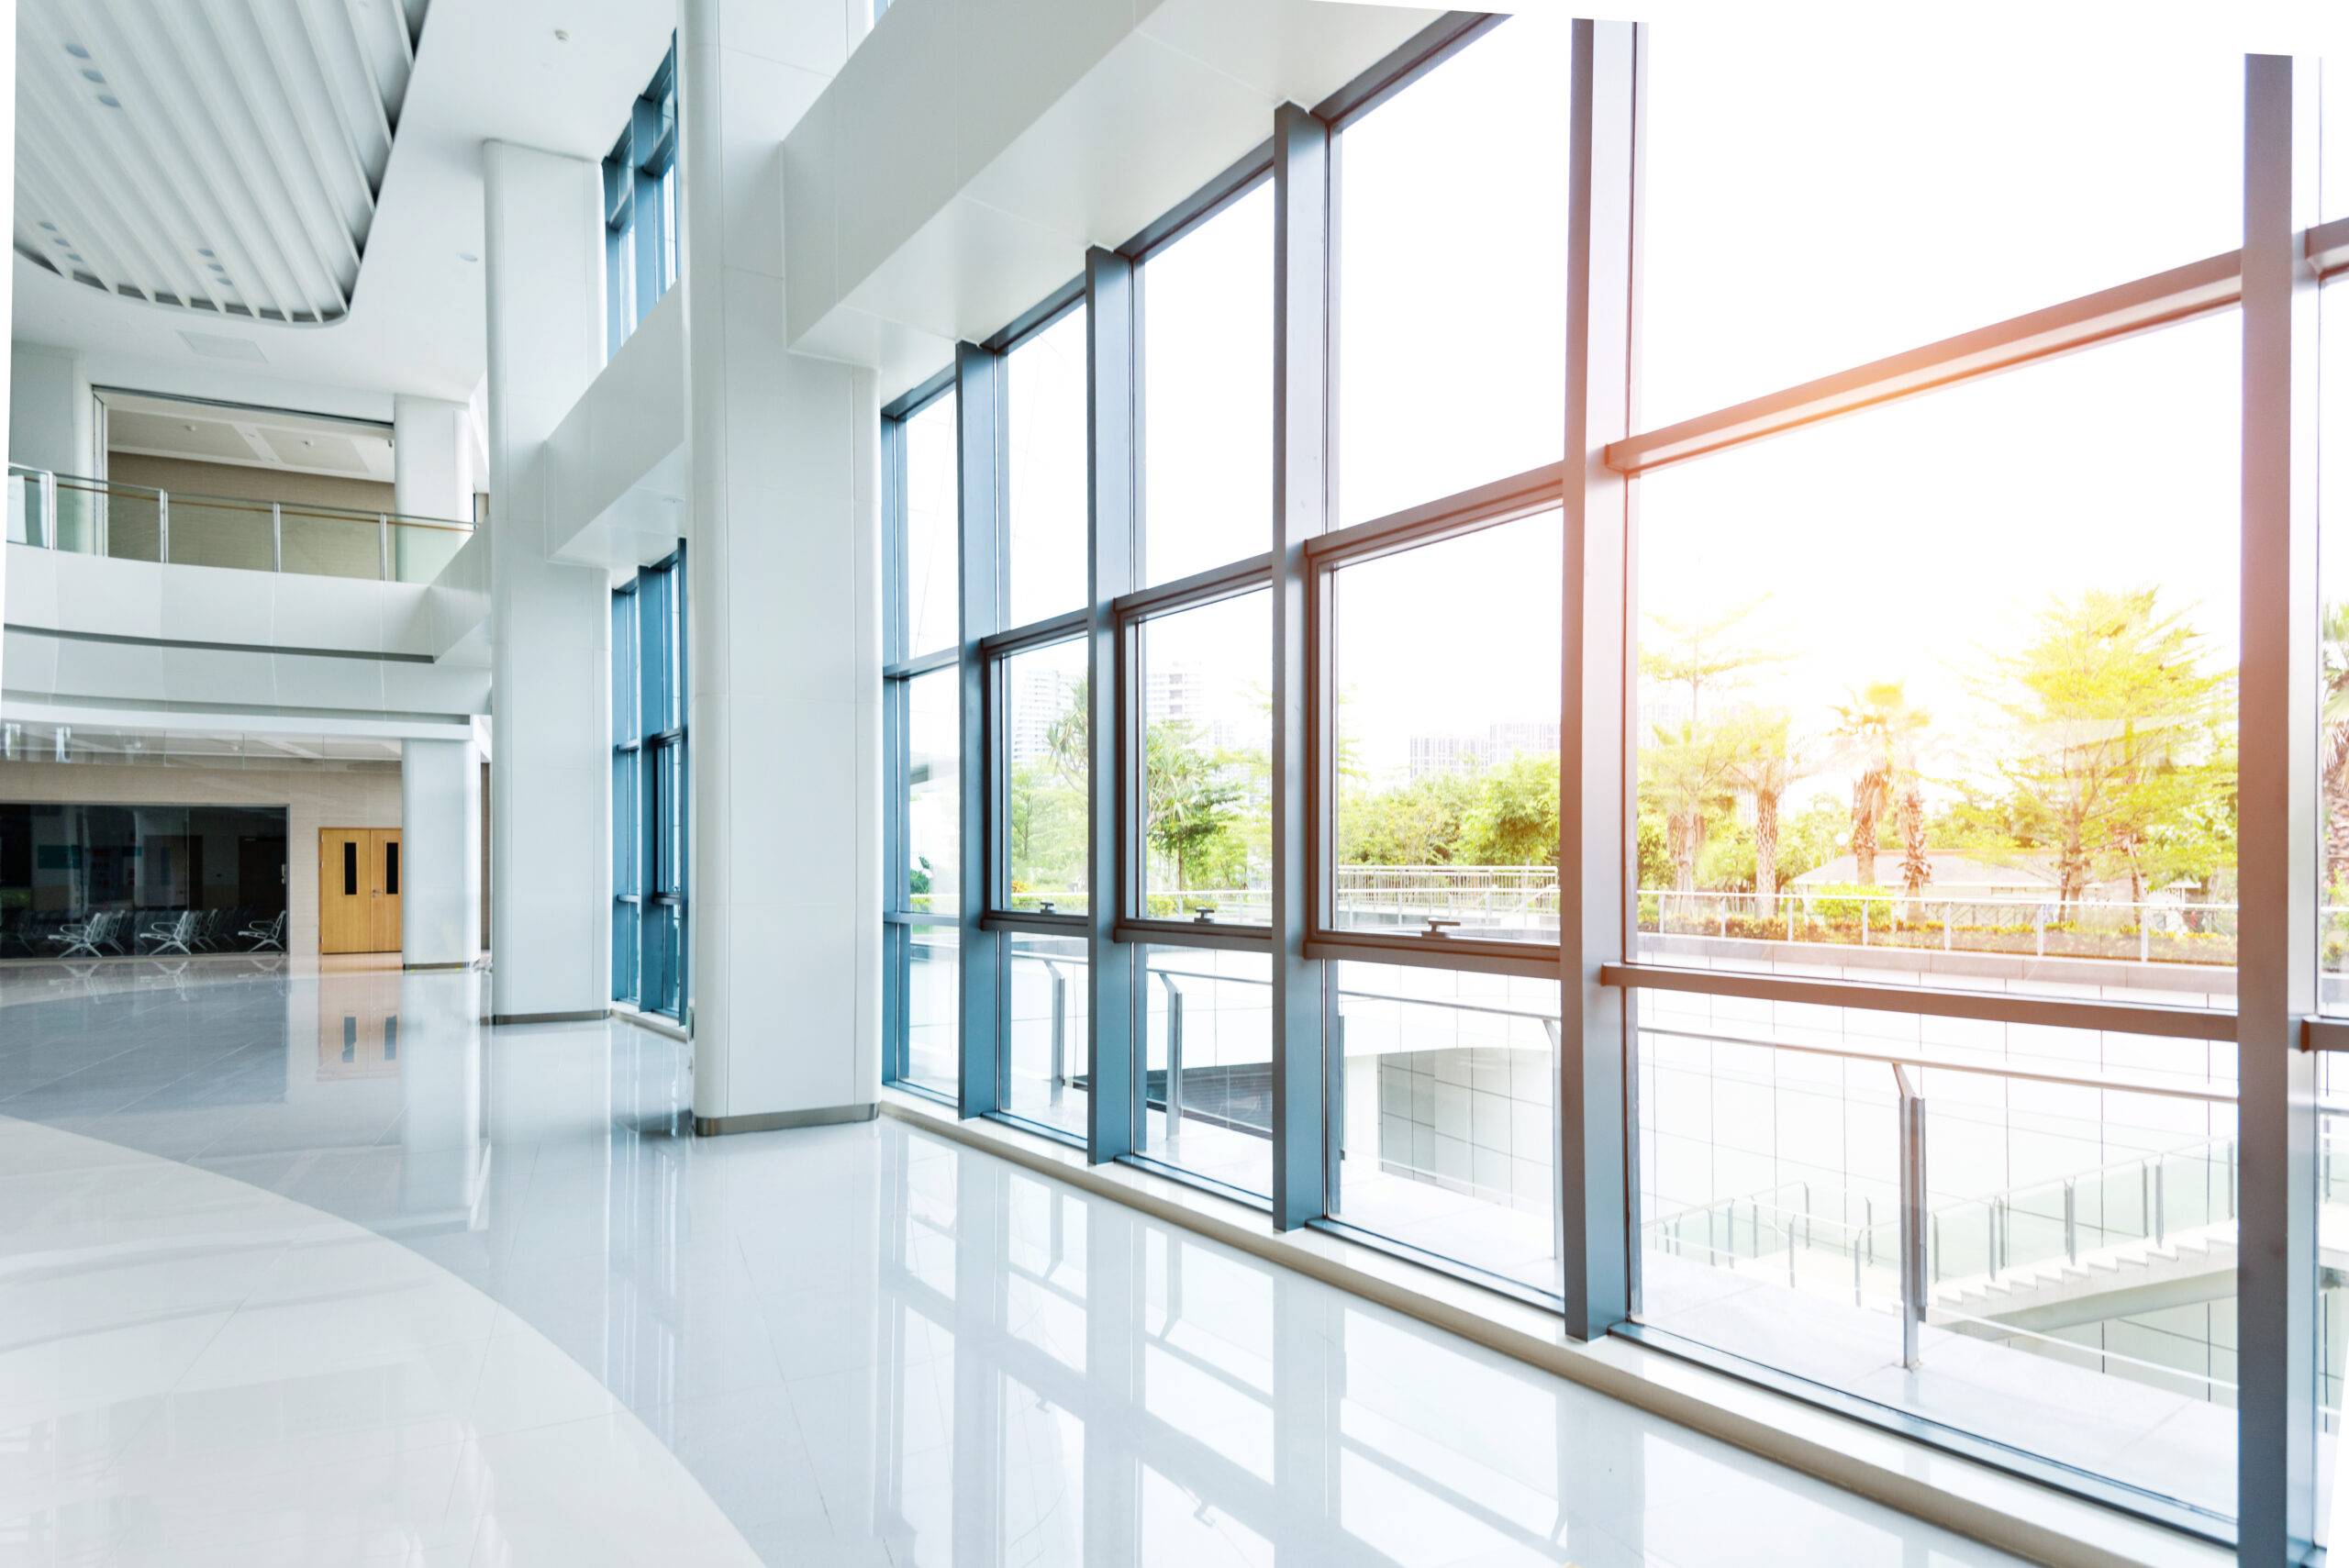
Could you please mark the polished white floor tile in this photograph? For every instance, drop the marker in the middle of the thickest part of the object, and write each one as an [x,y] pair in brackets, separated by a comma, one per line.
[497,1308]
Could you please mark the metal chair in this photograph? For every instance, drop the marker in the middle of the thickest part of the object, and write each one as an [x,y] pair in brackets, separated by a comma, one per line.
[171,936]
[265,937]
[83,938]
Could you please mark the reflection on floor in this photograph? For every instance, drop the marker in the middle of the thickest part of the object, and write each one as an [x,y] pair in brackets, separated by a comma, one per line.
[482,1302]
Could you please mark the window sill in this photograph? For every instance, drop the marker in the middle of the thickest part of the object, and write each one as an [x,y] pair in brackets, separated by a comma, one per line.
[1975,1500]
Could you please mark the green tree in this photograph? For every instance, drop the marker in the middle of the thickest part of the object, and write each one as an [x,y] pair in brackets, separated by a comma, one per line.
[1188,797]
[1512,815]
[1685,766]
[1765,762]
[1879,733]
[2116,713]
[2332,748]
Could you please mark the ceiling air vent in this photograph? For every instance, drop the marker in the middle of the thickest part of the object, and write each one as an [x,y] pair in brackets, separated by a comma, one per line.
[213,346]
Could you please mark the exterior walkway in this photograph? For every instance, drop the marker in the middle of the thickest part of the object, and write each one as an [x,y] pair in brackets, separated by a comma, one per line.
[317,1269]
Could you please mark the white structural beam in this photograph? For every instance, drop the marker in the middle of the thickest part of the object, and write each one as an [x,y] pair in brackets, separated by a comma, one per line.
[783,728]
[551,621]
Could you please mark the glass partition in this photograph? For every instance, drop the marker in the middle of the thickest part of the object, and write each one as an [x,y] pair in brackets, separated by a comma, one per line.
[91,880]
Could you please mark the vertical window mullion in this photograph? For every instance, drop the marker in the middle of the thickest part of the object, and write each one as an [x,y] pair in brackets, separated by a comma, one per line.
[981,436]
[1112,329]
[2277,931]
[1301,502]
[1596,814]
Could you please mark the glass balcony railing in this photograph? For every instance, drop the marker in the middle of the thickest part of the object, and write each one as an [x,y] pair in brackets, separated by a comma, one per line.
[131,522]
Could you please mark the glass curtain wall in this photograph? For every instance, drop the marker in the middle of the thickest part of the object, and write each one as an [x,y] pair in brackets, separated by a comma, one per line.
[1869,855]
[921,987]
[640,208]
[649,789]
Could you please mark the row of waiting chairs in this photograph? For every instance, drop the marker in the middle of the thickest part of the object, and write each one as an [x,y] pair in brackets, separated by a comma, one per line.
[185,931]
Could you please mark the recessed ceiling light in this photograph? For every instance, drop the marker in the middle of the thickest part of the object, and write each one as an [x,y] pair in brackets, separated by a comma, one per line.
[72,255]
[77,51]
[94,74]
[190,428]
[305,440]
[207,253]
[109,100]
[467,256]
[61,240]
[50,227]
[561,35]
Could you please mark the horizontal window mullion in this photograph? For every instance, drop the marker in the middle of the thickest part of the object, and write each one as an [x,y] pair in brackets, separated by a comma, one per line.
[2328,246]
[1038,317]
[920,919]
[921,664]
[1048,925]
[2324,1034]
[1987,1006]
[1498,501]
[1230,937]
[1529,960]
[1035,634]
[2158,299]
[1219,583]
[1254,168]
[921,396]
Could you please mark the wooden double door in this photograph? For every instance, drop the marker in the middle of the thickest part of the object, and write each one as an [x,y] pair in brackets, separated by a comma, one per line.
[359,890]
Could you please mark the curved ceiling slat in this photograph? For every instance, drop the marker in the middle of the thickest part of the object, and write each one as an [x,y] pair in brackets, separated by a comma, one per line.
[221,159]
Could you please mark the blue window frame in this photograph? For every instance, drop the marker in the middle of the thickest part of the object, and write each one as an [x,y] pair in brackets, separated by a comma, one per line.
[640,208]
[650,781]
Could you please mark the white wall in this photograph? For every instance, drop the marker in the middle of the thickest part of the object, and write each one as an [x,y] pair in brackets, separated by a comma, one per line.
[439,852]
[550,621]
[313,798]
[785,718]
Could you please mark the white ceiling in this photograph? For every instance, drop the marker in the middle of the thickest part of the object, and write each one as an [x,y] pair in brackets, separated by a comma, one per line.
[484,70]
[249,438]
[221,158]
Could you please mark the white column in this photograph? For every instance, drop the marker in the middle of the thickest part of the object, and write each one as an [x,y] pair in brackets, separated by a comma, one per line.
[550,621]
[439,853]
[784,717]
[432,467]
[52,415]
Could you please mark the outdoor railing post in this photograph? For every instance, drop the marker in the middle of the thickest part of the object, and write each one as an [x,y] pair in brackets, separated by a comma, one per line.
[276,537]
[49,508]
[1060,1028]
[1863,921]
[2071,1222]
[1949,927]
[162,528]
[384,543]
[1912,1214]
[1173,1059]
[2161,1203]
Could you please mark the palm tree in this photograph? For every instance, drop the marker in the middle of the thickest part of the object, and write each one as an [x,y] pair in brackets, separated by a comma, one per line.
[2333,746]
[1765,762]
[1879,730]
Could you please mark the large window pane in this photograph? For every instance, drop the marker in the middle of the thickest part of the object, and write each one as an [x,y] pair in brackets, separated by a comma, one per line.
[2078,1247]
[1444,1095]
[1207,392]
[931,993]
[1048,502]
[1452,244]
[1879,207]
[1045,1030]
[2332,569]
[933,792]
[1043,740]
[1208,1063]
[1928,694]
[933,503]
[1447,719]
[1207,763]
